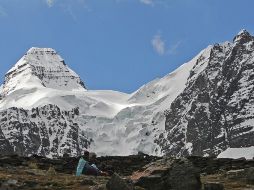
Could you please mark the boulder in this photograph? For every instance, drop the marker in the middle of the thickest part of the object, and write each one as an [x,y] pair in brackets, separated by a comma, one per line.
[183,175]
[118,183]
[10,184]
[250,175]
[168,173]
[151,182]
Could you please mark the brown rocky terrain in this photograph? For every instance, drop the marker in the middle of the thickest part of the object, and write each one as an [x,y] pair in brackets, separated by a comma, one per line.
[137,172]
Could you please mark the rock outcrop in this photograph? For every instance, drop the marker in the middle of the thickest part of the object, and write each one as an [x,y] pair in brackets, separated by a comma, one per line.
[168,173]
[37,172]
[215,110]
[46,131]
[116,183]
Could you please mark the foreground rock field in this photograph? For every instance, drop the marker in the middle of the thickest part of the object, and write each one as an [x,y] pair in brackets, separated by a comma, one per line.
[137,172]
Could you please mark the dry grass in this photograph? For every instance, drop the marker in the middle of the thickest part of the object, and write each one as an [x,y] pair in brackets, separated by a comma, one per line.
[229,184]
[53,182]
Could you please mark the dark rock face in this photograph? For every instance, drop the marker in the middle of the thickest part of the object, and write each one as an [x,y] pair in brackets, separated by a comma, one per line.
[214,111]
[45,131]
[250,175]
[183,175]
[116,183]
[168,173]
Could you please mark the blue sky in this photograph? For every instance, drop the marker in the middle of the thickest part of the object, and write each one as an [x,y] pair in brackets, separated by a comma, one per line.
[119,44]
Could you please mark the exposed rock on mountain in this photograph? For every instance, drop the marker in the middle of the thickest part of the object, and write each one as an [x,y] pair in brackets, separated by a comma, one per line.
[41,67]
[215,110]
[46,109]
[46,131]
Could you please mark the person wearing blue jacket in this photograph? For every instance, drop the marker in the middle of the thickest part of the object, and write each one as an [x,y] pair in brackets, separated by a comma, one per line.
[85,168]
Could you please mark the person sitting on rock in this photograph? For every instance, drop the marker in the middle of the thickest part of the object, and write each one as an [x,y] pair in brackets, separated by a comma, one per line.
[84,167]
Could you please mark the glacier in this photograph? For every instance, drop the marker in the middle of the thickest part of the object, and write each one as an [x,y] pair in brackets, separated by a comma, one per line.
[46,109]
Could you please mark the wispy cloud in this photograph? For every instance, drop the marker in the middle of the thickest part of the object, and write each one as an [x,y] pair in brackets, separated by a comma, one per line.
[147,2]
[50,3]
[158,44]
[2,12]
[161,47]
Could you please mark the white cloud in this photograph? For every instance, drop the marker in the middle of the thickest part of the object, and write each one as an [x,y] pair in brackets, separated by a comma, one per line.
[147,2]
[152,3]
[158,44]
[50,2]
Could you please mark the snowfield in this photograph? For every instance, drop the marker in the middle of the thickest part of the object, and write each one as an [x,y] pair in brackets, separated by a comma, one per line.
[235,153]
[46,109]
[117,123]
[93,103]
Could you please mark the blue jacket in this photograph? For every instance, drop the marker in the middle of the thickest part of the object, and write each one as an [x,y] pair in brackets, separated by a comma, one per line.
[80,167]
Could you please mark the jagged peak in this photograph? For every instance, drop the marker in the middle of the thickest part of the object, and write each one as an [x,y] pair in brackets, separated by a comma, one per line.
[243,36]
[243,31]
[40,68]
[46,57]
[35,50]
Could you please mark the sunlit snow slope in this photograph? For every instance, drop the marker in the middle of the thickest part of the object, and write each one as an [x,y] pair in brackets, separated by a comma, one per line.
[112,122]
[202,108]
[41,77]
[235,153]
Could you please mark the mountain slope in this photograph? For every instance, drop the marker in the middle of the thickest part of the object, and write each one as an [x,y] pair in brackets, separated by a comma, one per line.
[45,108]
[113,122]
[170,85]
[41,77]
[215,110]
[41,67]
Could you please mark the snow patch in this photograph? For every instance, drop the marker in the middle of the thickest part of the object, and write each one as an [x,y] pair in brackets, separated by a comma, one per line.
[246,152]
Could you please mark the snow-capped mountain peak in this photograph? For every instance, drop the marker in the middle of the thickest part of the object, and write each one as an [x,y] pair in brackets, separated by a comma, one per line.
[41,68]
[202,108]
[243,36]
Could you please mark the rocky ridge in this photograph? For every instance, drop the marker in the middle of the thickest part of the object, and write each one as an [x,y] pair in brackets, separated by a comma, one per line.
[215,110]
[41,67]
[45,108]
[44,131]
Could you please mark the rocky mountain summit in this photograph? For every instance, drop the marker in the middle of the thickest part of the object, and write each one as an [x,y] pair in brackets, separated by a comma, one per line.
[215,110]
[41,67]
[202,108]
